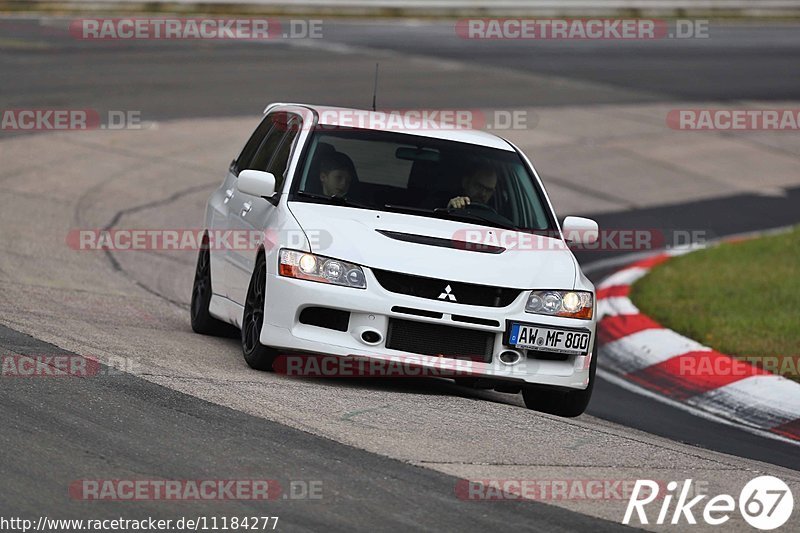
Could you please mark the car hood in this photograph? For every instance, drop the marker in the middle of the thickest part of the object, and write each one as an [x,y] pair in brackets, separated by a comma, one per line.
[354,235]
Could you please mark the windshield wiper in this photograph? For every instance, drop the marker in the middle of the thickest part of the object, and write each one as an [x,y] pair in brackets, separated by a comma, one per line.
[334,199]
[464,215]
[444,212]
[408,208]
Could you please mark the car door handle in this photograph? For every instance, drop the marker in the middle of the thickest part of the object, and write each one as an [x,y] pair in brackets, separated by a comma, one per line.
[228,196]
[246,207]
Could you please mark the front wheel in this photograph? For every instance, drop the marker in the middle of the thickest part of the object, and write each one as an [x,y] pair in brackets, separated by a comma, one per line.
[256,355]
[570,403]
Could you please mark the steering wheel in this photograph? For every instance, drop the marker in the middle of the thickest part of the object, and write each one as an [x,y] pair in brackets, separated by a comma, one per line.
[482,210]
[478,206]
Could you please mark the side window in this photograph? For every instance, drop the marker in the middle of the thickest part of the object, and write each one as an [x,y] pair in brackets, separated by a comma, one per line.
[267,148]
[244,159]
[264,144]
[280,161]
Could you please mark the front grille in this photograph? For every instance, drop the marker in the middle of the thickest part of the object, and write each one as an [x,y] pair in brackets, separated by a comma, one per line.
[437,339]
[432,288]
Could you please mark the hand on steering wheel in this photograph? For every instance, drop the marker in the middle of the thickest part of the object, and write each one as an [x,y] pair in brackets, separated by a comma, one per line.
[463,202]
[459,202]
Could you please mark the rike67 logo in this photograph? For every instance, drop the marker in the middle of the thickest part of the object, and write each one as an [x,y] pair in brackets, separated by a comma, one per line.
[765,503]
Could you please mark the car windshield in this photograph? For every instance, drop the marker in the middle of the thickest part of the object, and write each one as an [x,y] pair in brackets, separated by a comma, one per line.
[391,171]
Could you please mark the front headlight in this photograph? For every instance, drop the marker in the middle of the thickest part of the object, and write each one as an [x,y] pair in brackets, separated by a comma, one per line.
[303,265]
[572,304]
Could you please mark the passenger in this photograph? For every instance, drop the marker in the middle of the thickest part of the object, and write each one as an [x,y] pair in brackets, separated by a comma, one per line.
[336,174]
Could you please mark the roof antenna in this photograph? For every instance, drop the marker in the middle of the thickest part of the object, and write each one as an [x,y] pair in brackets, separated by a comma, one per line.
[375,89]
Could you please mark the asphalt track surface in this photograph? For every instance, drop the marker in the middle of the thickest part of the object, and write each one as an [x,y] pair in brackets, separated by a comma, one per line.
[739,62]
[140,427]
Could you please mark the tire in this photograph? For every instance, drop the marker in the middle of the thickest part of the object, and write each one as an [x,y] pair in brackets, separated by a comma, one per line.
[257,356]
[202,322]
[569,403]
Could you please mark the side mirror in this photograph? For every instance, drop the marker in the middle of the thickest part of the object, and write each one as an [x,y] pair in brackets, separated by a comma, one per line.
[256,183]
[580,230]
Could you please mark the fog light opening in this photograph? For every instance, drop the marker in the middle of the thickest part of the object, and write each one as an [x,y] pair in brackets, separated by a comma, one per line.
[371,336]
[509,357]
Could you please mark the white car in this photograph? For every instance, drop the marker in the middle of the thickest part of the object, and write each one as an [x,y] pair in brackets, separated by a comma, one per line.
[386,242]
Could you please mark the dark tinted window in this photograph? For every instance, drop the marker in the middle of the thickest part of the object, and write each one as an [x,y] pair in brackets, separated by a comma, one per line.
[280,160]
[265,150]
[244,159]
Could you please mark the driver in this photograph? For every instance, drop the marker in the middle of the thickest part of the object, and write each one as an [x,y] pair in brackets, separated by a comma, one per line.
[336,173]
[477,185]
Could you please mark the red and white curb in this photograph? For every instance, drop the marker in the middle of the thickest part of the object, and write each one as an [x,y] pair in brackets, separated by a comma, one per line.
[656,359]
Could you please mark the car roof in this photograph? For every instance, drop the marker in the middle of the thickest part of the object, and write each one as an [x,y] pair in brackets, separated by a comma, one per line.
[351,117]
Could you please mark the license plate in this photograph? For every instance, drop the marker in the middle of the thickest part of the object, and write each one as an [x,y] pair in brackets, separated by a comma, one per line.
[544,339]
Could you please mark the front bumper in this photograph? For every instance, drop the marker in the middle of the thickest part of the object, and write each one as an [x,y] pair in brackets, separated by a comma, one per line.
[371,308]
